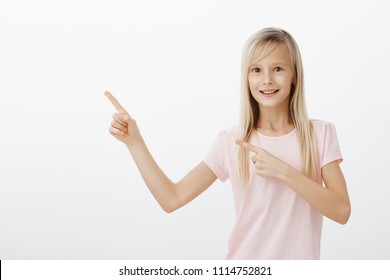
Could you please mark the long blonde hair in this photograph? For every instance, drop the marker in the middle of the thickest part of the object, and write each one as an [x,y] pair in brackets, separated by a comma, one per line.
[258,46]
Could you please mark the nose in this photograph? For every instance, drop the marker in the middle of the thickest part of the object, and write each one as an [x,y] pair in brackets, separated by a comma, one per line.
[267,78]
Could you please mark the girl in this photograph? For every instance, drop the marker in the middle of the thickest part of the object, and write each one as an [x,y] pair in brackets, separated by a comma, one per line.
[276,159]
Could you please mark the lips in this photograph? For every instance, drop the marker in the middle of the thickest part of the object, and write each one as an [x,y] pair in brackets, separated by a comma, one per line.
[269,92]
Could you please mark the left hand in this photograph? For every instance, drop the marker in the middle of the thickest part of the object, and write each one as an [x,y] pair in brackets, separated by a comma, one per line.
[265,163]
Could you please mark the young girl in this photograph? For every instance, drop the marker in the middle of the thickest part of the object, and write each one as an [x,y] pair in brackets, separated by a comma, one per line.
[276,159]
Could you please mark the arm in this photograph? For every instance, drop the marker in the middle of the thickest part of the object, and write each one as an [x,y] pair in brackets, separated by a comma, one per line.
[332,201]
[168,194]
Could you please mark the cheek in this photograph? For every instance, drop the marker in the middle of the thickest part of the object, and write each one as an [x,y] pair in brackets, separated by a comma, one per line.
[285,82]
[291,80]
[282,80]
[253,84]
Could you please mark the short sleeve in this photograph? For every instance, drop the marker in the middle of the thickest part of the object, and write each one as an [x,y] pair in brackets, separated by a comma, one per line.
[331,148]
[216,158]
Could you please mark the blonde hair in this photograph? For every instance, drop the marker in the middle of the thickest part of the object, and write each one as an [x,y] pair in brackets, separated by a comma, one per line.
[258,46]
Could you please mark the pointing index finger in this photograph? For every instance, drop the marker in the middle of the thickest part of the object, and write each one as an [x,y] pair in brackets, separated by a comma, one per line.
[115,102]
[248,146]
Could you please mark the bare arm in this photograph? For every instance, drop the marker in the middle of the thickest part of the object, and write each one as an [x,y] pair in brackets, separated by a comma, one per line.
[168,194]
[332,201]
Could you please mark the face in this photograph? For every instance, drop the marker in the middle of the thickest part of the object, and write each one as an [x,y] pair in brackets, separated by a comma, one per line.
[270,79]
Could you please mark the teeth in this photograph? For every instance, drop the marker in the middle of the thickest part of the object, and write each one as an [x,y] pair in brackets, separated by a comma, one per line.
[268,91]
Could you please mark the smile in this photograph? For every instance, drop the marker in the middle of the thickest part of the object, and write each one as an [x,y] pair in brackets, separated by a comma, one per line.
[269,92]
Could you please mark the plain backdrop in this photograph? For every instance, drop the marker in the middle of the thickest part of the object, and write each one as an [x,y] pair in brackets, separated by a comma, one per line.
[69,190]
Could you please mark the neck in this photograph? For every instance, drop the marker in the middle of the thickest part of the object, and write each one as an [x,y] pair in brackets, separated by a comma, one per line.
[274,121]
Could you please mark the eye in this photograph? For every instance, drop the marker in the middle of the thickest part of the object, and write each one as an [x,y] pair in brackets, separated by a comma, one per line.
[278,69]
[256,69]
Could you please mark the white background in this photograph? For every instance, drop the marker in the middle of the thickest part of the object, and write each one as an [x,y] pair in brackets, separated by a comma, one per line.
[69,190]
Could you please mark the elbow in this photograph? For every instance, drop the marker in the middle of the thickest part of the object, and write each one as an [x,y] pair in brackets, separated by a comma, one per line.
[169,200]
[344,214]
[170,207]
[168,210]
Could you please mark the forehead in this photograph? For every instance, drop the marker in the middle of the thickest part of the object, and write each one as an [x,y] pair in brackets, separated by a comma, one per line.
[277,54]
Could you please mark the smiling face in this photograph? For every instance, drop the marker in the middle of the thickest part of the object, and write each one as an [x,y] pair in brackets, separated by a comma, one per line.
[270,79]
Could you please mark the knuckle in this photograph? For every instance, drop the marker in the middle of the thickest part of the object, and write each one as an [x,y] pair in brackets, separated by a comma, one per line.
[113,131]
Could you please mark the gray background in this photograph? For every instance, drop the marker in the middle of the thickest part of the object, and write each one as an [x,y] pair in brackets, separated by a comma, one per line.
[69,190]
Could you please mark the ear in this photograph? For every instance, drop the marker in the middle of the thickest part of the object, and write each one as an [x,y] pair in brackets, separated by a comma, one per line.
[294,81]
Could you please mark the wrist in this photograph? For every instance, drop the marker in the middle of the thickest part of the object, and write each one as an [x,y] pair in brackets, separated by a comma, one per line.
[287,172]
[134,141]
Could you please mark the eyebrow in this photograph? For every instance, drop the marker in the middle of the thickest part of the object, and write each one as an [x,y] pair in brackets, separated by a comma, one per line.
[276,63]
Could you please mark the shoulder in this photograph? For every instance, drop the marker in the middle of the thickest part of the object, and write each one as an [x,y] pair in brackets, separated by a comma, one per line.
[229,133]
[226,138]
[326,142]
[224,146]
[324,132]
[318,123]
[321,127]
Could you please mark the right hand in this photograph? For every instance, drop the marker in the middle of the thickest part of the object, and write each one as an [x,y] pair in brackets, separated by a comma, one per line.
[123,127]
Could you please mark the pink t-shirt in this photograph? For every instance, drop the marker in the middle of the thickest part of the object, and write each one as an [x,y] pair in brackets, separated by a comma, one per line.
[273,222]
